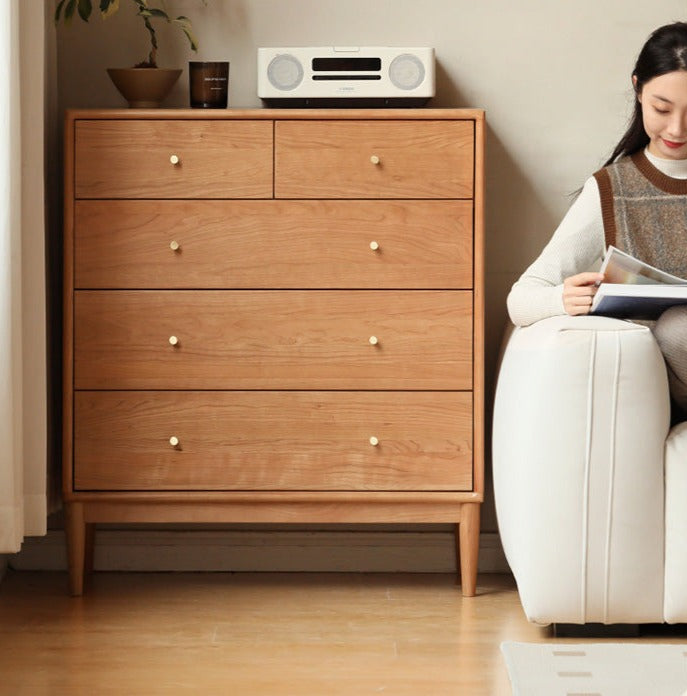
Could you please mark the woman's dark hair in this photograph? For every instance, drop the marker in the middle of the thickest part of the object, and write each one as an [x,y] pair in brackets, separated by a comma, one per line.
[664,51]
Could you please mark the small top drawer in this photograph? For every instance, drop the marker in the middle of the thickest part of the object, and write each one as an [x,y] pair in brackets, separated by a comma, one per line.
[173,159]
[374,159]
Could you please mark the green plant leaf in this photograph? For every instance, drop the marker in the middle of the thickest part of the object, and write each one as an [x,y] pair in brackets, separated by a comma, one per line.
[185,25]
[108,7]
[65,9]
[69,11]
[85,9]
[58,10]
[154,12]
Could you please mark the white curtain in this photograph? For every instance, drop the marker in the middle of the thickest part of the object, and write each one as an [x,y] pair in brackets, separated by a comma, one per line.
[23,439]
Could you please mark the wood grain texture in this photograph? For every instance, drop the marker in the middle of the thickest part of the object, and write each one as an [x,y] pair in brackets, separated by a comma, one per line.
[331,159]
[468,536]
[273,507]
[262,114]
[68,307]
[273,302]
[273,244]
[273,339]
[131,159]
[478,384]
[75,527]
[273,441]
[263,634]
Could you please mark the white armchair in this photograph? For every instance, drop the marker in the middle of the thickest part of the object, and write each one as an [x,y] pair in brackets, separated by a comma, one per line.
[590,481]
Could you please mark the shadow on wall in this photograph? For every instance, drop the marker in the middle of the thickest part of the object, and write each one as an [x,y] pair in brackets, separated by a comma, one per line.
[517,226]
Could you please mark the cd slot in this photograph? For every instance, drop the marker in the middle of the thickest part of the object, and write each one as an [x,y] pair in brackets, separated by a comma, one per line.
[348,64]
[346,77]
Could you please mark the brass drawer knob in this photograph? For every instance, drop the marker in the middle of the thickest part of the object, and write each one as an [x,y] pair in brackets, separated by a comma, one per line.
[374,246]
[374,441]
[375,159]
[174,441]
[174,159]
[173,341]
[174,245]
[373,340]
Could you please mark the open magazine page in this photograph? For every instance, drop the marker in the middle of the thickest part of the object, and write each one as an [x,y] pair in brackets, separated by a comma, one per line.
[620,267]
[634,289]
[638,301]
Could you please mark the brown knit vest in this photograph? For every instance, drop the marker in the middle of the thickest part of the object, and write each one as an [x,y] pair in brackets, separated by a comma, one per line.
[645,212]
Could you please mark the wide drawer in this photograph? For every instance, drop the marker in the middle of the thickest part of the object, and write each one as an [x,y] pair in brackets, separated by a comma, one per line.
[135,159]
[374,159]
[290,339]
[273,244]
[272,441]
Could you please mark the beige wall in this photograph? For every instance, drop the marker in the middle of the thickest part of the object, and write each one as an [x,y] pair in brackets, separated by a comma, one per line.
[553,77]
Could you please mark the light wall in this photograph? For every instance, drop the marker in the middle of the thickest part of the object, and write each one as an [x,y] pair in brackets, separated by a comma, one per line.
[553,77]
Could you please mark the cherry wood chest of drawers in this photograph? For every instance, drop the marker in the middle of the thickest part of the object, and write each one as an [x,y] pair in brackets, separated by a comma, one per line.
[273,316]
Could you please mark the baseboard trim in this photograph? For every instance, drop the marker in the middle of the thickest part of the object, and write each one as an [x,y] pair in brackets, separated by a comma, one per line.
[276,551]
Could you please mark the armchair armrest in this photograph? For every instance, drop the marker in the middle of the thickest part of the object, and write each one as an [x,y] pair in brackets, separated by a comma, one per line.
[581,416]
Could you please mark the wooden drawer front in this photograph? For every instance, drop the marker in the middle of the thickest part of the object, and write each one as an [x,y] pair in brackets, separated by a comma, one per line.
[332,159]
[131,159]
[273,244]
[273,441]
[291,339]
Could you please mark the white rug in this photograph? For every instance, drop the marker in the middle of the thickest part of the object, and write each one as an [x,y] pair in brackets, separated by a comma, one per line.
[596,669]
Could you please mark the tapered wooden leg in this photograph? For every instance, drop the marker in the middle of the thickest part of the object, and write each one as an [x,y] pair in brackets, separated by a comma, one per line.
[76,546]
[468,552]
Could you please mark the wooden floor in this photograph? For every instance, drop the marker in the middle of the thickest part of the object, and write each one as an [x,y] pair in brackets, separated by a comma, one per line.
[257,634]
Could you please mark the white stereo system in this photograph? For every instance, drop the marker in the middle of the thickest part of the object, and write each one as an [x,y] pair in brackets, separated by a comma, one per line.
[365,76]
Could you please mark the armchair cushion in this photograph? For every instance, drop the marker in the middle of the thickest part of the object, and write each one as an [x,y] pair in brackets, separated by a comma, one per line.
[581,416]
[676,525]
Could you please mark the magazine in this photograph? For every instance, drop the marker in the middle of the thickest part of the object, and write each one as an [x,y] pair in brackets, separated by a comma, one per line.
[634,289]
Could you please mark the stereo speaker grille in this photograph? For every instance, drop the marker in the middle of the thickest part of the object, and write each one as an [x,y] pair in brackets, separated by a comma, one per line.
[406,71]
[285,72]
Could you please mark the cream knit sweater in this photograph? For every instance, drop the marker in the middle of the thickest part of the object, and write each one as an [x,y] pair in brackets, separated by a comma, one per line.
[577,245]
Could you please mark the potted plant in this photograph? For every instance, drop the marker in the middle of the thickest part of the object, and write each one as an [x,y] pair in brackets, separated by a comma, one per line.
[145,84]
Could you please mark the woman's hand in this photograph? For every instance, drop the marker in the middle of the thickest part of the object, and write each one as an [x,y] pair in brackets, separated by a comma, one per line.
[579,291]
